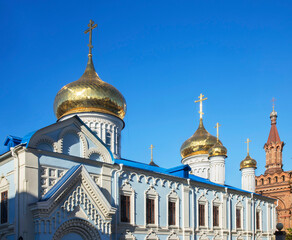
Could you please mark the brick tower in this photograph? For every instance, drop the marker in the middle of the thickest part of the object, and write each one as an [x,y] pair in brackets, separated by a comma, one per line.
[275,182]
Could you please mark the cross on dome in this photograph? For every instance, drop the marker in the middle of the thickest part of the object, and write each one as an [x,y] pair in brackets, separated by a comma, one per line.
[247,143]
[217,127]
[201,99]
[91,26]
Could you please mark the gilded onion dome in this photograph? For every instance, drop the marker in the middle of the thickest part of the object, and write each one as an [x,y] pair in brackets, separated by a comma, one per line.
[89,94]
[199,143]
[248,162]
[218,150]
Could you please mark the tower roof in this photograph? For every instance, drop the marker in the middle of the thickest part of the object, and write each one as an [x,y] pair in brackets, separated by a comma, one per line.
[274,135]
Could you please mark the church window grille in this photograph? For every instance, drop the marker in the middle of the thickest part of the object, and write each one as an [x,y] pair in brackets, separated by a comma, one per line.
[215,216]
[258,220]
[150,211]
[171,213]
[4,207]
[201,214]
[125,208]
[238,218]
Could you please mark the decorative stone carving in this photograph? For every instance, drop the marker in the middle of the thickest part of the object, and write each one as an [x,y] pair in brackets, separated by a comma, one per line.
[79,226]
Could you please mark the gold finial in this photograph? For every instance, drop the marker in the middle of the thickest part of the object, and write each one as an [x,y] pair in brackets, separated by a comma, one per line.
[151,148]
[273,103]
[247,142]
[201,99]
[217,126]
[91,27]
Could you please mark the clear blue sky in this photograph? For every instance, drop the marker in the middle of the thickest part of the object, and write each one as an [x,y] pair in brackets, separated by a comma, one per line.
[161,55]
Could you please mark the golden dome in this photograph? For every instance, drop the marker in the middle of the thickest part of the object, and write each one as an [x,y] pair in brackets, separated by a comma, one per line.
[248,162]
[199,143]
[218,150]
[89,94]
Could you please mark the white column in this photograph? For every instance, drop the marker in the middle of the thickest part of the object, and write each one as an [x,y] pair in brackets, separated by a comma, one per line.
[248,179]
[217,169]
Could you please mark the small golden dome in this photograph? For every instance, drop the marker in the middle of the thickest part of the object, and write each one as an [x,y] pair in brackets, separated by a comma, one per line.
[89,94]
[248,162]
[218,150]
[199,143]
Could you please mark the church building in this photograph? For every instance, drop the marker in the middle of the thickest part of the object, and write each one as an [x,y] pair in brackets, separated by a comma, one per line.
[275,182]
[68,180]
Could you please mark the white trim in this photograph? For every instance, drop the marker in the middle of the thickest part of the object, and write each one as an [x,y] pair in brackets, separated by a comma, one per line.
[151,194]
[173,197]
[127,190]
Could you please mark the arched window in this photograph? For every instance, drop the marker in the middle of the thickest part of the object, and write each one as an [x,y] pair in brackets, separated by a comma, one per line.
[108,139]
[283,178]
[262,181]
[276,179]
[269,180]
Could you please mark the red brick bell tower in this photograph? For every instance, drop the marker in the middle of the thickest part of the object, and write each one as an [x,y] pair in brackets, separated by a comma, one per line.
[274,148]
[275,182]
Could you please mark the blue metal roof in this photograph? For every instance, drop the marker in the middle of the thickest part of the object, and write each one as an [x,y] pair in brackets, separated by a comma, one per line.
[27,138]
[181,171]
[64,179]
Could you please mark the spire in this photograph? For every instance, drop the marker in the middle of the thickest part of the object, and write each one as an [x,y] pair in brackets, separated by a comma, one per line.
[90,70]
[273,146]
[274,135]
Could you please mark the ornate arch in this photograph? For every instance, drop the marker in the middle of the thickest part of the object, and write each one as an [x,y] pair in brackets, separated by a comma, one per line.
[44,139]
[70,129]
[82,227]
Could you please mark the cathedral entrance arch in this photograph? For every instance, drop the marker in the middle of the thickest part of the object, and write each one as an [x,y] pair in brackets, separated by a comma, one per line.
[76,229]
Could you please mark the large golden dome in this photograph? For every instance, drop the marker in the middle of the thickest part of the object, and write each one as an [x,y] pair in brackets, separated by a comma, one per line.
[89,94]
[199,143]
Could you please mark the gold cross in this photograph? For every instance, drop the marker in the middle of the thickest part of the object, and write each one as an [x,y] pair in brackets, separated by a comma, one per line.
[247,142]
[201,99]
[151,148]
[273,102]
[91,27]
[217,126]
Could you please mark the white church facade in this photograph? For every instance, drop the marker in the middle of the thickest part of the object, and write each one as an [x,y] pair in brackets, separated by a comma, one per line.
[69,181]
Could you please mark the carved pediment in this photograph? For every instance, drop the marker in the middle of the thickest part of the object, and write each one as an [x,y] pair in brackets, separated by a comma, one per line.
[75,190]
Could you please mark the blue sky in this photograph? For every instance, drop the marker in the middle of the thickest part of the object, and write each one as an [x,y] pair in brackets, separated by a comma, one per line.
[161,55]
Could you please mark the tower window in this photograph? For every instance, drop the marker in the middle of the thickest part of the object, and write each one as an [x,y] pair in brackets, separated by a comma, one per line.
[201,214]
[4,207]
[108,138]
[125,208]
[171,213]
[215,216]
[150,211]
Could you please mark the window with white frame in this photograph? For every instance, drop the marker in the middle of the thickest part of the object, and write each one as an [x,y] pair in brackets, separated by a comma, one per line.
[151,206]
[239,215]
[258,219]
[216,212]
[202,212]
[4,185]
[127,203]
[173,209]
